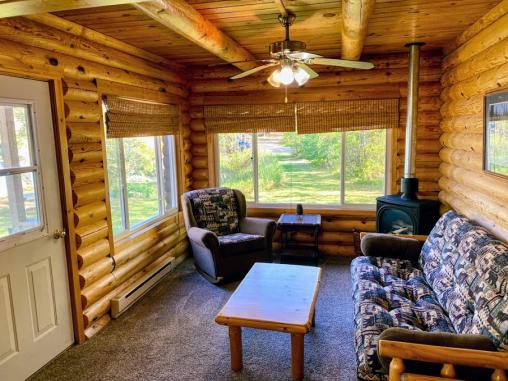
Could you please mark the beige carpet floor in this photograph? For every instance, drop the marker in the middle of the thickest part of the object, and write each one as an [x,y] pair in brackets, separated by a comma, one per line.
[171,335]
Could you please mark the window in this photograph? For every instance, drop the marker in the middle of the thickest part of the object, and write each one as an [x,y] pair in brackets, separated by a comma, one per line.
[20,207]
[333,168]
[142,179]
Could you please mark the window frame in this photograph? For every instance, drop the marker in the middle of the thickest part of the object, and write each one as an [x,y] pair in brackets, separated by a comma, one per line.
[389,144]
[124,204]
[41,230]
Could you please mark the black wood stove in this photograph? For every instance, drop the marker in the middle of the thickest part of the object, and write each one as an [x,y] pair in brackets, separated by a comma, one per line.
[404,213]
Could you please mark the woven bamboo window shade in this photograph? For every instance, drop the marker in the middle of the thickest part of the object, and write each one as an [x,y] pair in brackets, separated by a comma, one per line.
[275,117]
[347,115]
[304,117]
[126,118]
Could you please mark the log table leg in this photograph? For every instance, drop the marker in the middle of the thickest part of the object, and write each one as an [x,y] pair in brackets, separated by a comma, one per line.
[297,355]
[235,345]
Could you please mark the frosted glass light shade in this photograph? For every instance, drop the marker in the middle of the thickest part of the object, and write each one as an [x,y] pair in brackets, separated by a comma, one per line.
[274,78]
[286,75]
[301,76]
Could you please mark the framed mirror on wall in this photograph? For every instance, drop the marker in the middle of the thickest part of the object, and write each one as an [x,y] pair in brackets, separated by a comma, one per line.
[495,141]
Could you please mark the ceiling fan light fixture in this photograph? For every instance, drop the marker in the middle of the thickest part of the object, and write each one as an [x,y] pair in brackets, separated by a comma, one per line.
[274,78]
[301,76]
[286,75]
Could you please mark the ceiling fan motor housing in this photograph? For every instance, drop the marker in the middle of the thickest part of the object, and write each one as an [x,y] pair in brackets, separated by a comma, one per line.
[280,49]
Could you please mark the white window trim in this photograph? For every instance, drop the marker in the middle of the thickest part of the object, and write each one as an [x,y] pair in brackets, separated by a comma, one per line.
[342,206]
[124,203]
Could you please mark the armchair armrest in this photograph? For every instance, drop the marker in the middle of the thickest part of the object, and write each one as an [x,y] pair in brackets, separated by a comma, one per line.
[204,238]
[449,349]
[390,245]
[259,226]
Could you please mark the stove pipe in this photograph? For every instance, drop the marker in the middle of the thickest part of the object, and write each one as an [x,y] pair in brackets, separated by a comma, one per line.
[409,183]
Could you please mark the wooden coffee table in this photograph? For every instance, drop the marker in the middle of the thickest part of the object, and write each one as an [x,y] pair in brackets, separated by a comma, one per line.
[274,297]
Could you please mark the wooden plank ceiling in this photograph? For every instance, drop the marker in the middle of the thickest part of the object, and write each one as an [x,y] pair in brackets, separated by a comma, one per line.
[253,23]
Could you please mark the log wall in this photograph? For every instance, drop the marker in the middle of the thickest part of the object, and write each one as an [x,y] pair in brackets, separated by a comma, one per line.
[477,65]
[84,71]
[388,80]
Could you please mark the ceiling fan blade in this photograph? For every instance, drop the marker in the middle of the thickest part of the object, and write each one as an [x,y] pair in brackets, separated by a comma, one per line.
[255,70]
[312,74]
[341,63]
[302,56]
[236,62]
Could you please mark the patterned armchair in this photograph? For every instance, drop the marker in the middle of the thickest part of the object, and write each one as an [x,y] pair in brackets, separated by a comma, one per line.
[452,292]
[224,241]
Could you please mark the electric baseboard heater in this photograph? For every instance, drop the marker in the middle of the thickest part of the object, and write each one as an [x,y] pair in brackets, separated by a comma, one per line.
[121,302]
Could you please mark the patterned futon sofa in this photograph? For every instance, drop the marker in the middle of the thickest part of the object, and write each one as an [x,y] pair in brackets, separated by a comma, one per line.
[456,284]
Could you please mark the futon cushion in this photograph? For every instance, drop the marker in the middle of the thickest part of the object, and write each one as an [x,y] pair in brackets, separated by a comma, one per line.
[389,292]
[215,209]
[468,270]
[240,243]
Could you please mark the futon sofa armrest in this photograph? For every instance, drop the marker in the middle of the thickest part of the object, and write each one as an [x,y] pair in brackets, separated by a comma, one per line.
[426,352]
[205,238]
[259,226]
[391,246]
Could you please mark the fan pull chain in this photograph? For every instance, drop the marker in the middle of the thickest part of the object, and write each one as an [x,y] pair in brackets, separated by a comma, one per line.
[286,94]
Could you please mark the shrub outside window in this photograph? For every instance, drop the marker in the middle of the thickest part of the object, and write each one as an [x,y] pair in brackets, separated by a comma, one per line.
[336,168]
[142,179]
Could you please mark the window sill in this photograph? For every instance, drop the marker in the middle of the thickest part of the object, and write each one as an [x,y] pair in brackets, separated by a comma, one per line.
[325,210]
[144,227]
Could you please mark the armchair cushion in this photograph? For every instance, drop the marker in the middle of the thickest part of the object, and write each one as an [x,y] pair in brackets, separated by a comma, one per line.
[258,226]
[215,209]
[240,243]
[391,246]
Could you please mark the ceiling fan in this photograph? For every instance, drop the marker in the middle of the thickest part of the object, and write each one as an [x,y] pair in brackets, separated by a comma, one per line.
[293,61]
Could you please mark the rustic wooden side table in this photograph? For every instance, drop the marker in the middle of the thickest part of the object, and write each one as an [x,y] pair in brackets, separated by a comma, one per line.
[290,224]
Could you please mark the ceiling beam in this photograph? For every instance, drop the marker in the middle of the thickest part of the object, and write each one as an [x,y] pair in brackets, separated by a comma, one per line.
[30,7]
[355,18]
[182,18]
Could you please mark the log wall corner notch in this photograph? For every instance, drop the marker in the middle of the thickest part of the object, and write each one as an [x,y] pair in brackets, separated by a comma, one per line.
[355,19]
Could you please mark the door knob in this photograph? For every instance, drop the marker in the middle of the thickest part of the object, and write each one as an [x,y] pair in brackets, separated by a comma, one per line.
[59,233]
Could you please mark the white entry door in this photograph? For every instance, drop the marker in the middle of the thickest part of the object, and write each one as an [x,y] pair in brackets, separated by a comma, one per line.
[35,312]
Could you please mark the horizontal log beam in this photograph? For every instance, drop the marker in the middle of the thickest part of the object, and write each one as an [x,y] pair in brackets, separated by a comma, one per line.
[31,7]
[42,36]
[182,18]
[341,78]
[78,30]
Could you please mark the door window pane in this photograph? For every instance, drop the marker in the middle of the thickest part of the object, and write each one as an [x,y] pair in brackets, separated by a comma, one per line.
[18,204]
[15,137]
[236,163]
[19,198]
[296,168]
[365,156]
